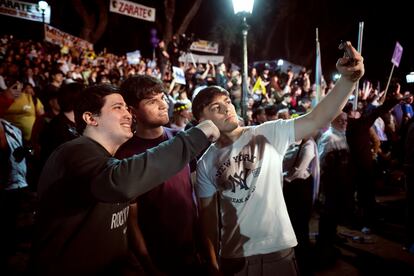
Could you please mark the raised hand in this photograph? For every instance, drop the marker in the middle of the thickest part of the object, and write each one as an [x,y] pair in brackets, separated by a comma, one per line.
[351,65]
[209,129]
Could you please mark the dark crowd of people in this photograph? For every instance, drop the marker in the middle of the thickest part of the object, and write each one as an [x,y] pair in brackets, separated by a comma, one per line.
[132,173]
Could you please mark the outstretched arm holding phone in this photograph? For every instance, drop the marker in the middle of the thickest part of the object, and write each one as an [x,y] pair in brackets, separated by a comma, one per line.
[351,68]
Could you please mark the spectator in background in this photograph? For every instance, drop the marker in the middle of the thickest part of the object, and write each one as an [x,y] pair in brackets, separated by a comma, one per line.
[301,189]
[162,57]
[49,94]
[407,107]
[271,113]
[61,128]
[221,76]
[337,191]
[13,186]
[181,116]
[29,77]
[359,140]
[174,51]
[285,103]
[24,110]
[304,106]
[259,115]
[409,173]
[3,85]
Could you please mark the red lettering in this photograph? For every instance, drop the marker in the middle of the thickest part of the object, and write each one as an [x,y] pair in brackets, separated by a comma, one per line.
[121,7]
[130,9]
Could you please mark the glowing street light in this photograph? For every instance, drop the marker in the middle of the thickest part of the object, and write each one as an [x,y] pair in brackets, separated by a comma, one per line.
[280,62]
[244,8]
[43,6]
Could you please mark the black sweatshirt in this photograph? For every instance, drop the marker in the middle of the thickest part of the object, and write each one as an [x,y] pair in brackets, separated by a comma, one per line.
[83,201]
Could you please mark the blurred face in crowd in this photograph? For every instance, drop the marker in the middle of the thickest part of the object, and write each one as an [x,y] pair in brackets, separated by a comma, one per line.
[58,77]
[274,81]
[222,112]
[186,113]
[340,122]
[153,111]
[222,67]
[254,71]
[28,89]
[408,97]
[29,72]
[261,117]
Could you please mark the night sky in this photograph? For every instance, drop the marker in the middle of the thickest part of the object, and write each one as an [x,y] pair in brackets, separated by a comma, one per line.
[289,23]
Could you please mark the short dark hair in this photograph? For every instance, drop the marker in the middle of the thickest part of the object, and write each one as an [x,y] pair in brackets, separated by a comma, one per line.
[68,96]
[92,100]
[270,110]
[257,111]
[138,87]
[204,97]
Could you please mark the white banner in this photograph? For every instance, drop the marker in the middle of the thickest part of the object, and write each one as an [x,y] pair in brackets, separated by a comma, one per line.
[56,36]
[201,58]
[132,9]
[179,75]
[134,57]
[24,10]
[204,46]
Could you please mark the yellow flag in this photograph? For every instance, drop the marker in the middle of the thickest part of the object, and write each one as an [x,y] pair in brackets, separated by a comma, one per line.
[259,86]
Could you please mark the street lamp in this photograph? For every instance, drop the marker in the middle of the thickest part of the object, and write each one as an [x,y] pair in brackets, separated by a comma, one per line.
[43,6]
[244,8]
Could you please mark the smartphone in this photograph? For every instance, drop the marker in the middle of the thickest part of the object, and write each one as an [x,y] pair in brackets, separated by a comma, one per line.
[347,52]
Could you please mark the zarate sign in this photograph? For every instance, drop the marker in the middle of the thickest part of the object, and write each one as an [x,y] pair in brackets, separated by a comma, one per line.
[132,9]
[24,10]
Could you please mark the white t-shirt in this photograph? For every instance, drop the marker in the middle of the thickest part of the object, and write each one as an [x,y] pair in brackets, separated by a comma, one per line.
[248,177]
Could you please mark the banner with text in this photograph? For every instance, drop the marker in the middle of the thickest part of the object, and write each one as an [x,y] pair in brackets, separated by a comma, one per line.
[132,9]
[189,57]
[134,57]
[24,10]
[204,46]
[56,36]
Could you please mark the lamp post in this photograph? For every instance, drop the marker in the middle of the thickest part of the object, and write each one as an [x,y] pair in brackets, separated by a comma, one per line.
[244,8]
[43,6]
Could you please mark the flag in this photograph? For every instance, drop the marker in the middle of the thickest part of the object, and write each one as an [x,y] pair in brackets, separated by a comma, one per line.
[259,86]
[318,73]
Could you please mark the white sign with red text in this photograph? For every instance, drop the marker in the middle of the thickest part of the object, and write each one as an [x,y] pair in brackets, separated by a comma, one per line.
[132,9]
[24,10]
